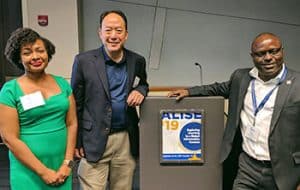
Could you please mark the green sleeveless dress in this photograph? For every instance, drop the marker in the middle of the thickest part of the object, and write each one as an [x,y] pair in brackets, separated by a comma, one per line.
[43,130]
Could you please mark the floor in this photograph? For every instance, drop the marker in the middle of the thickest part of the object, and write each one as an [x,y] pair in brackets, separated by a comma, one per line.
[4,172]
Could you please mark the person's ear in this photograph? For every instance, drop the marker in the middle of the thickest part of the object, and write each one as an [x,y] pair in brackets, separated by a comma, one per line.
[126,35]
[99,33]
[251,54]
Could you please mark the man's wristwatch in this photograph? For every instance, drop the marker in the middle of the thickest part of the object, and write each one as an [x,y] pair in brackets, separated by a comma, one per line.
[69,163]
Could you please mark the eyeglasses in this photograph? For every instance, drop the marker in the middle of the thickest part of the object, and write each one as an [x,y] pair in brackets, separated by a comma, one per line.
[262,54]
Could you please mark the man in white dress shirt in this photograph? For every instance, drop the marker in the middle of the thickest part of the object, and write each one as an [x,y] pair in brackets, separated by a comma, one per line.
[263,126]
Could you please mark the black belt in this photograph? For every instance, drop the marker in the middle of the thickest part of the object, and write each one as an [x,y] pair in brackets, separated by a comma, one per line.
[264,163]
[116,130]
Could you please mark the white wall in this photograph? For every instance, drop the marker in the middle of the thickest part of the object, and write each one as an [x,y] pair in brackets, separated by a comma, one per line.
[172,34]
[215,33]
[62,30]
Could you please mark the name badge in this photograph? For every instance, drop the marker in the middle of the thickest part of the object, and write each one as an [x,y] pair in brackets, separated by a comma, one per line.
[252,133]
[32,100]
[136,81]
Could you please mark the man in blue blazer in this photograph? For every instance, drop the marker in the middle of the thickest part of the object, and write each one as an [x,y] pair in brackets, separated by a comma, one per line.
[108,83]
[263,125]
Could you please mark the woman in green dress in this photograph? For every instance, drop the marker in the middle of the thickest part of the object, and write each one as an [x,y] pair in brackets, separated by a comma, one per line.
[38,118]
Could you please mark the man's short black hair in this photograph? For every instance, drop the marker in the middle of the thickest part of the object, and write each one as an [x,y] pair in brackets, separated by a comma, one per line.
[118,12]
[21,37]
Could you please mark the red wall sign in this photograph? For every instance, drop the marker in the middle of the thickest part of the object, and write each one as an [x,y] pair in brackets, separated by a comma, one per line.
[43,20]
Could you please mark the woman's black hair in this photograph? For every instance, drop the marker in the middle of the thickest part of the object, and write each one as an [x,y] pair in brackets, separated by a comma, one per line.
[21,37]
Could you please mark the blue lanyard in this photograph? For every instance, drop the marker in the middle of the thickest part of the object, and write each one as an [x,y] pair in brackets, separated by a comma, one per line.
[268,95]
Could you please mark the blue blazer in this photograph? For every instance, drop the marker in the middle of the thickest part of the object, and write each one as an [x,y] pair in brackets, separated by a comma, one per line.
[284,137]
[91,91]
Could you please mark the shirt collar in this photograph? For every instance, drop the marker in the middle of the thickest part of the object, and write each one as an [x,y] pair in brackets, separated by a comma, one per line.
[254,74]
[108,60]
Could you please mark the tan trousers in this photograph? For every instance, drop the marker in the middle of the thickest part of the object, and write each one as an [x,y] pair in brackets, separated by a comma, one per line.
[116,166]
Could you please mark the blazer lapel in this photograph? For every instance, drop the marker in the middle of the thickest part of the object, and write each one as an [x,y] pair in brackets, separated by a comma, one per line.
[245,80]
[281,97]
[130,68]
[100,70]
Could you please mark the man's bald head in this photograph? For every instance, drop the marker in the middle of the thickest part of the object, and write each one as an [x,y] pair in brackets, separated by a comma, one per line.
[264,36]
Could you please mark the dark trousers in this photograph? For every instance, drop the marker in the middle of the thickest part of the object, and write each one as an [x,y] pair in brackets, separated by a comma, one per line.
[254,175]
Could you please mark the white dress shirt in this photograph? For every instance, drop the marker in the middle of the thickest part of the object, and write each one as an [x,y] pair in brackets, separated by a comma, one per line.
[255,129]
